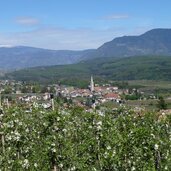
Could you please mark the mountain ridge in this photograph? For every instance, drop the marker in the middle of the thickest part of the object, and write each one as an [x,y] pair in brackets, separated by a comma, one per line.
[153,42]
[19,57]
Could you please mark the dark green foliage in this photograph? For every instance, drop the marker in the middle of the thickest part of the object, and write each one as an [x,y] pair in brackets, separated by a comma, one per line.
[121,84]
[161,103]
[132,68]
[7,90]
[132,97]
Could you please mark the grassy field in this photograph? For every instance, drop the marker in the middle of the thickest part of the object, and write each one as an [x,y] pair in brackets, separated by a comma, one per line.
[151,83]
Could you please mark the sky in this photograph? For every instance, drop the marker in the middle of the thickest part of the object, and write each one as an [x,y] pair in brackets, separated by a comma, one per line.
[78,24]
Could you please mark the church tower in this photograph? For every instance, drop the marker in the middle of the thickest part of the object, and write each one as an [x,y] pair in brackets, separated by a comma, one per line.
[91,84]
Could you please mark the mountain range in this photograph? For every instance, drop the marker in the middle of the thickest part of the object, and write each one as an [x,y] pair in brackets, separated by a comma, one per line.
[153,42]
[24,57]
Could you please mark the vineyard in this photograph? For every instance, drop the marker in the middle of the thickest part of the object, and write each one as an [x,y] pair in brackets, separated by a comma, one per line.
[73,139]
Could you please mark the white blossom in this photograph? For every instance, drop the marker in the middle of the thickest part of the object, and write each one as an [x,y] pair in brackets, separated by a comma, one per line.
[25,163]
[166,168]
[35,164]
[64,130]
[99,123]
[61,165]
[153,135]
[54,150]
[156,146]
[133,168]
[72,168]
[108,147]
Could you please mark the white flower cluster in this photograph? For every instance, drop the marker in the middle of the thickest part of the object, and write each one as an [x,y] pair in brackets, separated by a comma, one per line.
[72,168]
[14,136]
[53,149]
[9,124]
[25,164]
[123,141]
[99,125]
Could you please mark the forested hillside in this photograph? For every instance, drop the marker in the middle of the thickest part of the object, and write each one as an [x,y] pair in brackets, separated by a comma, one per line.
[131,68]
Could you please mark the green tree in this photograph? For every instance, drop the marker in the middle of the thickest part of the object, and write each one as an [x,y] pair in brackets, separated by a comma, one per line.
[7,90]
[161,103]
[36,88]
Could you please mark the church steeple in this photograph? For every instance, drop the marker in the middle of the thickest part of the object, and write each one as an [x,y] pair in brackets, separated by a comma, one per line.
[91,84]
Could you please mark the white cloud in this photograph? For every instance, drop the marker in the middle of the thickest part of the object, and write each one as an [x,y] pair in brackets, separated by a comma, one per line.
[116,17]
[6,46]
[64,38]
[27,21]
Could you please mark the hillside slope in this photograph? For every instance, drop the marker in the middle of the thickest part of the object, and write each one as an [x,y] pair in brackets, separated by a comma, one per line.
[153,42]
[130,68]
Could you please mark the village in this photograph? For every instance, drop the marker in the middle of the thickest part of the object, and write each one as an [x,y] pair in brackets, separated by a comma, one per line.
[94,96]
[12,91]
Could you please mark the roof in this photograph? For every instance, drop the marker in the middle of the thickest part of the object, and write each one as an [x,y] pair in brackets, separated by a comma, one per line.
[112,95]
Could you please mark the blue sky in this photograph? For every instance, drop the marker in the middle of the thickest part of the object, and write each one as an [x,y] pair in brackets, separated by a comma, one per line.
[78,24]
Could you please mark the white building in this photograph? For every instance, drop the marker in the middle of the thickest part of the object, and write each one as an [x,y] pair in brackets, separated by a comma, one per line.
[91,84]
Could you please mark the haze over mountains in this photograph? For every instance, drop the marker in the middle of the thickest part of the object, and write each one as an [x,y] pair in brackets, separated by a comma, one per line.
[24,57]
[153,42]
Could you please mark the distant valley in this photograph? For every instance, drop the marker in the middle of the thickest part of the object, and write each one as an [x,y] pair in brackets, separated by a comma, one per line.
[153,42]
[147,56]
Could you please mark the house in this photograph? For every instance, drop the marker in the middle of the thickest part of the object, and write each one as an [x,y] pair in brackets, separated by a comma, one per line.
[46,96]
[18,92]
[112,96]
